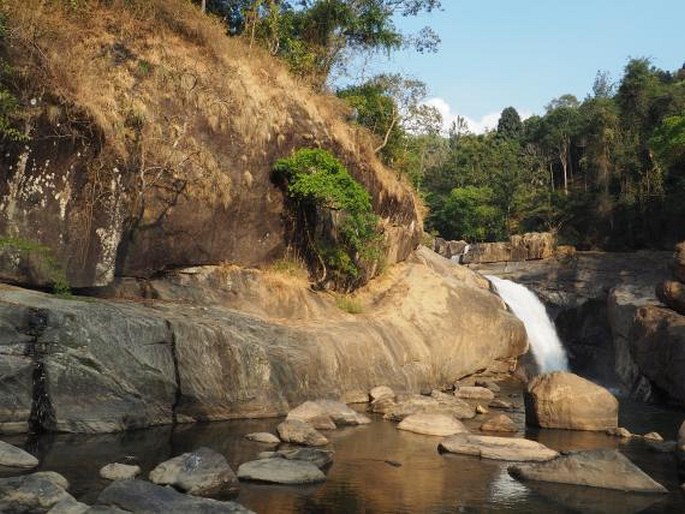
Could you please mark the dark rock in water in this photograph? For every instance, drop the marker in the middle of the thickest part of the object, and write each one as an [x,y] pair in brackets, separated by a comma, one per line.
[34,493]
[281,471]
[147,498]
[607,469]
[69,506]
[203,472]
[672,293]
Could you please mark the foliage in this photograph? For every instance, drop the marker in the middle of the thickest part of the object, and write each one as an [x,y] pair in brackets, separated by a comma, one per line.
[349,304]
[314,36]
[44,258]
[318,184]
[607,172]
[8,102]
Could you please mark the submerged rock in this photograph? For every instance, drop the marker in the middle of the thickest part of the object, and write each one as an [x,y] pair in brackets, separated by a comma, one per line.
[281,471]
[263,437]
[13,457]
[147,498]
[117,471]
[603,468]
[564,400]
[499,448]
[299,432]
[203,472]
[432,424]
[34,493]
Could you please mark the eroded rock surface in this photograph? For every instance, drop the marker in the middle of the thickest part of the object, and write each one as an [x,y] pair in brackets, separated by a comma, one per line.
[281,471]
[498,448]
[432,424]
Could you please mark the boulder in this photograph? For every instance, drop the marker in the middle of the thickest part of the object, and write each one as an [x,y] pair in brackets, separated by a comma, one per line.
[203,472]
[355,396]
[326,414]
[380,393]
[34,493]
[69,506]
[604,468]
[488,384]
[432,424]
[474,393]
[672,294]
[320,458]
[653,436]
[437,403]
[263,437]
[147,498]
[526,247]
[501,423]
[564,400]
[299,432]
[281,471]
[117,471]
[658,347]
[621,432]
[13,457]
[498,448]
[500,404]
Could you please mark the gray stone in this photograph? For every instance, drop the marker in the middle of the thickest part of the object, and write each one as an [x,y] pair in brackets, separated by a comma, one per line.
[498,448]
[117,471]
[69,506]
[13,457]
[320,458]
[263,437]
[432,424]
[299,432]
[281,471]
[607,469]
[34,493]
[147,498]
[203,472]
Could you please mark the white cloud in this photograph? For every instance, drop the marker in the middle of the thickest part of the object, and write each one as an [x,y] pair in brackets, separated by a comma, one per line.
[486,122]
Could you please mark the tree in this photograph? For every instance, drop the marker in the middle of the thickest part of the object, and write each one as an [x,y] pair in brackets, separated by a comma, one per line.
[509,125]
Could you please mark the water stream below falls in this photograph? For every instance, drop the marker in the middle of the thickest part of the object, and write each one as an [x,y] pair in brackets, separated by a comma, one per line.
[545,344]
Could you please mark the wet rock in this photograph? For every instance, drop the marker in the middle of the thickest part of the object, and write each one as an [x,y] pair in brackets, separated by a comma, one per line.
[432,424]
[320,458]
[474,393]
[203,472]
[325,414]
[621,432]
[13,457]
[564,400]
[281,471]
[34,493]
[263,437]
[69,506]
[147,498]
[499,448]
[607,469]
[117,471]
[501,423]
[380,393]
[299,432]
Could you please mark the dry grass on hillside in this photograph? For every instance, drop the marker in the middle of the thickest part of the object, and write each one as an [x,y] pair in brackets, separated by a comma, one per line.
[172,96]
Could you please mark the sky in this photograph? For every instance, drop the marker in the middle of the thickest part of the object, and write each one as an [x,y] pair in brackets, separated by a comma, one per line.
[523,53]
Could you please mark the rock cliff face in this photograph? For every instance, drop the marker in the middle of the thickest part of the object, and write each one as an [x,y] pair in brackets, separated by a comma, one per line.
[106,365]
[151,142]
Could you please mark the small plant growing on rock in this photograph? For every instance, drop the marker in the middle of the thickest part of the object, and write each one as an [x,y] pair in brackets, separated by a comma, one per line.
[333,222]
[44,259]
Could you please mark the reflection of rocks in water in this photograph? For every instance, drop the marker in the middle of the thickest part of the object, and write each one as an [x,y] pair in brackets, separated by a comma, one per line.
[589,500]
[505,490]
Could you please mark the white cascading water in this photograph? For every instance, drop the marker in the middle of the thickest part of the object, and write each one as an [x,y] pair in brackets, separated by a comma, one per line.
[547,349]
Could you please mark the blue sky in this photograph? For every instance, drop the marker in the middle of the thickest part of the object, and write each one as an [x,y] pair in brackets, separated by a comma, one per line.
[496,53]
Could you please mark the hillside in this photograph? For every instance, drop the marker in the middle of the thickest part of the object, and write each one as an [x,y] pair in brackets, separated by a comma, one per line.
[150,140]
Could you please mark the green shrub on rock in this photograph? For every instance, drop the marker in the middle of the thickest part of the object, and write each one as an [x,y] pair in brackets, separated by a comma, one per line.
[333,221]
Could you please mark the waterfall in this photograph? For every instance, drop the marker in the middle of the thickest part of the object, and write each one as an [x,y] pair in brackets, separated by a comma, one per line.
[544,342]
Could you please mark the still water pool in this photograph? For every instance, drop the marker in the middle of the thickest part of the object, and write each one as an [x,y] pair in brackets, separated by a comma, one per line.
[361,480]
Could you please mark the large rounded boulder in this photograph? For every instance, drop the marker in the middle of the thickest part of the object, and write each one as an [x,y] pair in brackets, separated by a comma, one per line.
[564,400]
